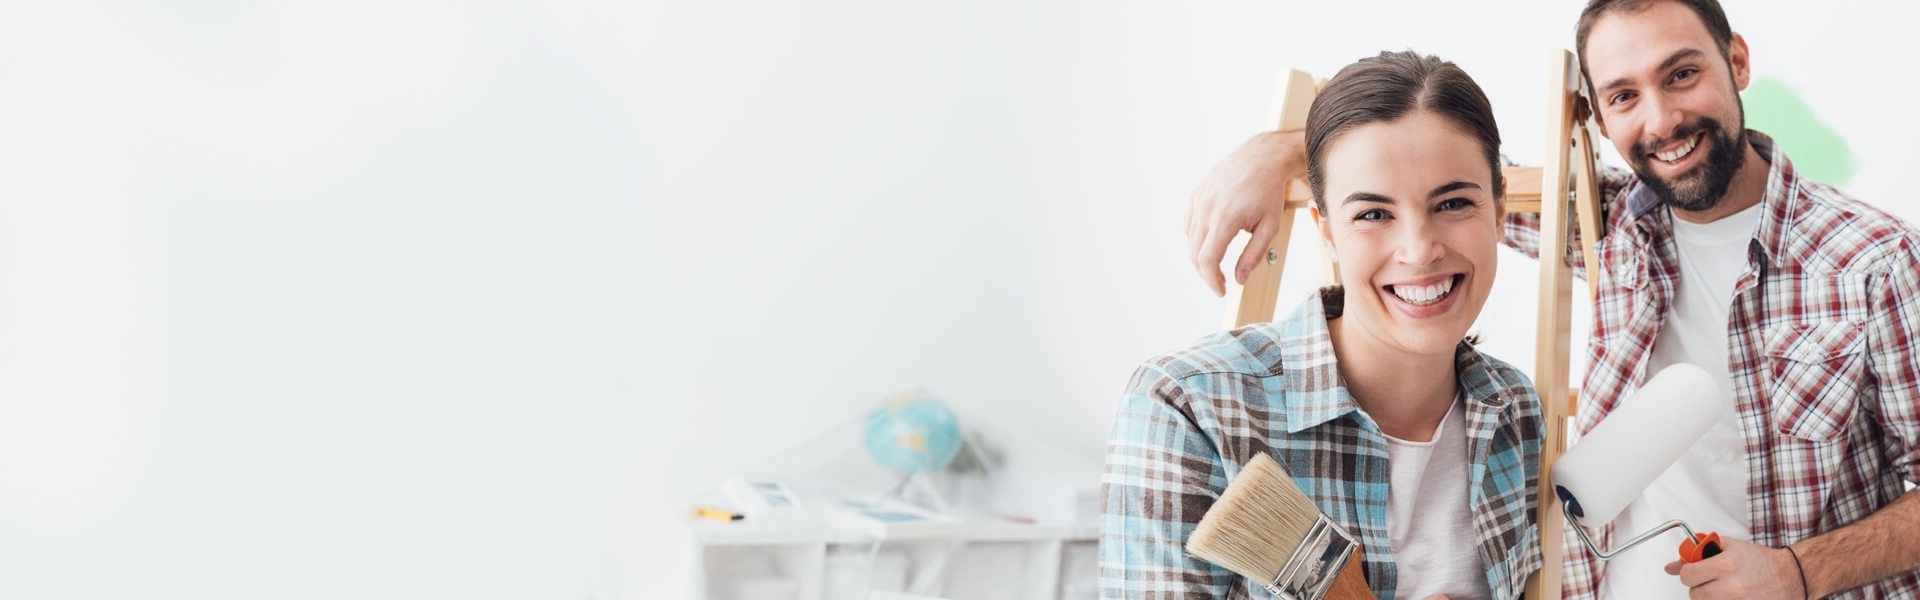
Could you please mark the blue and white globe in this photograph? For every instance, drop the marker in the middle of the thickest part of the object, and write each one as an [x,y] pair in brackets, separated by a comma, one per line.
[913,432]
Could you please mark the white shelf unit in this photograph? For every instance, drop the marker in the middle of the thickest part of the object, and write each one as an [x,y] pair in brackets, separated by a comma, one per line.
[990,559]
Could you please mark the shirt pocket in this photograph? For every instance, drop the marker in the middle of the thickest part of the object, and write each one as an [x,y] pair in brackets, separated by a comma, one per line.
[1816,373]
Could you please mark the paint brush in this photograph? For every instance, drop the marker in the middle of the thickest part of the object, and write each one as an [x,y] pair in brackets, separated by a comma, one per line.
[1265,529]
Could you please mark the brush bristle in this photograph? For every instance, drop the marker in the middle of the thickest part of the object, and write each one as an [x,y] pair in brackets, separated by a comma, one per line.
[1256,525]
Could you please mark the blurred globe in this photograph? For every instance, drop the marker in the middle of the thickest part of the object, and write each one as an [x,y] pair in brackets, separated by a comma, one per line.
[913,432]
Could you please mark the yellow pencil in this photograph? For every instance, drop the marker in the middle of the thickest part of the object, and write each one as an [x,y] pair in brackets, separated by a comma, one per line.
[718,514]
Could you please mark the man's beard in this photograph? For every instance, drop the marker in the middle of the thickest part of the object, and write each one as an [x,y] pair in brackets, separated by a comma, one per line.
[1702,187]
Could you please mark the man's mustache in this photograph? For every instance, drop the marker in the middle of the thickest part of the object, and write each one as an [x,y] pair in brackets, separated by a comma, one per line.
[1704,124]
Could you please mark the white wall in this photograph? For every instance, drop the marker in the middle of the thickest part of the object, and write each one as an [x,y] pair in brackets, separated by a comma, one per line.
[471,299]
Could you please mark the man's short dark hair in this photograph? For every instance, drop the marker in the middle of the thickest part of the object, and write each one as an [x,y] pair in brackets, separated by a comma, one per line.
[1708,10]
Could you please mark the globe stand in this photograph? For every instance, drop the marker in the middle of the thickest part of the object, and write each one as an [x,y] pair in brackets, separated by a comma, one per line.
[917,488]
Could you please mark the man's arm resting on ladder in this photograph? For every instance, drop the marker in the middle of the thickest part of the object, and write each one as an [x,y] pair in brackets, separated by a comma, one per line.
[1247,191]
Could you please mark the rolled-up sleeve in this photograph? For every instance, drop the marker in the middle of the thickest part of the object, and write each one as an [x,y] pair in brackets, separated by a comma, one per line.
[1896,367]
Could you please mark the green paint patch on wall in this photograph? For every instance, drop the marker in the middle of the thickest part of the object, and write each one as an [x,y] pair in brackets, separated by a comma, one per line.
[1776,109]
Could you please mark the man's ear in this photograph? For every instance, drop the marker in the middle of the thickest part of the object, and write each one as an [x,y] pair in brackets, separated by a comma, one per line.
[1584,107]
[1737,58]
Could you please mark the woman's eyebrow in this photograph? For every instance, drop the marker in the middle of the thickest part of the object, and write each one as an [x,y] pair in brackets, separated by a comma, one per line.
[1452,186]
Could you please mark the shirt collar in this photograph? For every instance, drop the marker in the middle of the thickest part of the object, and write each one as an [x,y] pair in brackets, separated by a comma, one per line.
[1783,188]
[1315,394]
[1645,206]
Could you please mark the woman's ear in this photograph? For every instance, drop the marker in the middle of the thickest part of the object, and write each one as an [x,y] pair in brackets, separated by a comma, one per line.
[1500,200]
[1325,226]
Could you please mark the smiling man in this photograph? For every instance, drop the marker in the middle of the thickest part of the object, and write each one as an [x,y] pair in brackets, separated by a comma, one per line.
[1804,303]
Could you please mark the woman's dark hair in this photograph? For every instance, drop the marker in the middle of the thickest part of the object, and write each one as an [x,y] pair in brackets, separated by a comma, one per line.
[1390,86]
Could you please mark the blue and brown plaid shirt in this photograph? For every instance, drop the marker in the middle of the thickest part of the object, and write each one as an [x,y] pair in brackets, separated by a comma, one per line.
[1191,418]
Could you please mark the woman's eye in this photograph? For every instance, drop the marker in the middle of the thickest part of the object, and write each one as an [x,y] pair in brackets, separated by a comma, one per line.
[1456,204]
[1371,215]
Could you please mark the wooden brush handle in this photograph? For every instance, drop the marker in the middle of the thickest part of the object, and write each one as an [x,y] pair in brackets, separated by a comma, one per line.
[1351,583]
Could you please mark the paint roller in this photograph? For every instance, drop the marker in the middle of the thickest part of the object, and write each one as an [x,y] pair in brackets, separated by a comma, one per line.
[1613,464]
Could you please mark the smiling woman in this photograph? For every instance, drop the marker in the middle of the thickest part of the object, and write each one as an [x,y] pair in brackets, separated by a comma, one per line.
[1367,395]
[1412,217]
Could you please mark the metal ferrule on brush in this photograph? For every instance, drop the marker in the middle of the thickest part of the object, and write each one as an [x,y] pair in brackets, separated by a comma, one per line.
[1314,564]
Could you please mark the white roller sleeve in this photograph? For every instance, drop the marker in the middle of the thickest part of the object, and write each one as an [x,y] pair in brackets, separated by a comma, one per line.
[1644,435]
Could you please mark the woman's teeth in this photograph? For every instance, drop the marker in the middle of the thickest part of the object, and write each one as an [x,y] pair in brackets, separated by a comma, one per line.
[1678,153]
[1423,294]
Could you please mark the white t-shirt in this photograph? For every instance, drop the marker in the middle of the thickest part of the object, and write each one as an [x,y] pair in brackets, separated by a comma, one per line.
[1707,488]
[1430,517]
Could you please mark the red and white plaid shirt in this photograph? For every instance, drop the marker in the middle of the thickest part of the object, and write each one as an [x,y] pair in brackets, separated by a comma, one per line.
[1821,348]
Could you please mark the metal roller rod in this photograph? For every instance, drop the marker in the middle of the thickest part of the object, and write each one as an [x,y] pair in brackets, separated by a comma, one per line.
[1567,508]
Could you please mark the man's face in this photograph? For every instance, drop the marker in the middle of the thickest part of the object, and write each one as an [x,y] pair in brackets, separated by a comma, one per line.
[1670,101]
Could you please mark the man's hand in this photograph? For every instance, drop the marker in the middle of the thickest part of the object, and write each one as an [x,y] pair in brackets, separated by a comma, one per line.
[1247,191]
[1741,570]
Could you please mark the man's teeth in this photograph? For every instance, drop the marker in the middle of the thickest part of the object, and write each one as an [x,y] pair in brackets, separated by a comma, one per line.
[1424,294]
[1678,153]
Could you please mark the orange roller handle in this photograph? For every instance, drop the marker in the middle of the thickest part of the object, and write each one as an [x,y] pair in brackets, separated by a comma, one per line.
[1700,547]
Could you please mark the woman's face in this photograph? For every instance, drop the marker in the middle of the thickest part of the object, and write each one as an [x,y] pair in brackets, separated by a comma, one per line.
[1414,221]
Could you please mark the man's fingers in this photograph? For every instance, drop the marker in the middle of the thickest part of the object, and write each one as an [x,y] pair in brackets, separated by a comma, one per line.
[1256,251]
[1701,573]
[1673,568]
[1196,237]
[1196,241]
[1208,262]
[1192,224]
